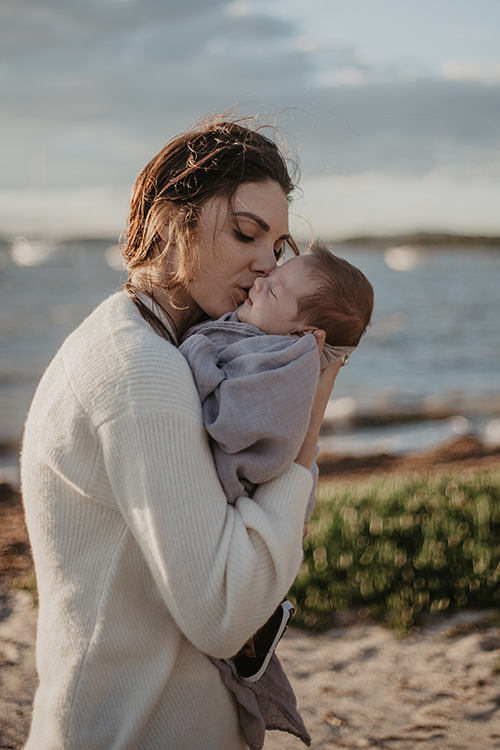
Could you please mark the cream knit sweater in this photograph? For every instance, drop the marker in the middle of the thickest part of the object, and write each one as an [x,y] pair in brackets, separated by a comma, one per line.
[143,567]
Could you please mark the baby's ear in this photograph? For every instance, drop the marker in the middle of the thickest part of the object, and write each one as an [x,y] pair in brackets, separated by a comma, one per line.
[302,330]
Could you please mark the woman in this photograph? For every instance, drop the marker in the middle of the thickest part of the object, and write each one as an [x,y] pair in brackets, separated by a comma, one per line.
[144,571]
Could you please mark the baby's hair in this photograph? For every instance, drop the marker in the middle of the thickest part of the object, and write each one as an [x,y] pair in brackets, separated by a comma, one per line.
[343,303]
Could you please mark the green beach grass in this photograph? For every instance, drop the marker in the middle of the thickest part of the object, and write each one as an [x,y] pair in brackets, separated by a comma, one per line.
[394,547]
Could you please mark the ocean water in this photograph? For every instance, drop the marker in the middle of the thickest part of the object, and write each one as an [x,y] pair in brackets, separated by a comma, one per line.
[435,329]
[433,348]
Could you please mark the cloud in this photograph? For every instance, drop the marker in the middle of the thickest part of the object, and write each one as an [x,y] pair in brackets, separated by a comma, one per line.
[93,89]
[405,129]
[63,213]
[331,207]
[476,32]
[87,60]
[468,70]
[339,206]
[78,18]
[97,85]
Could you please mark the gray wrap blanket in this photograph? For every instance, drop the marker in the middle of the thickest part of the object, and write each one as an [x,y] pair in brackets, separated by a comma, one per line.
[267,704]
[256,392]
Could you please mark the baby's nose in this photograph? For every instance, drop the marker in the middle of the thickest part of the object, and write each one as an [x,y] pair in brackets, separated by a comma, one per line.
[259,283]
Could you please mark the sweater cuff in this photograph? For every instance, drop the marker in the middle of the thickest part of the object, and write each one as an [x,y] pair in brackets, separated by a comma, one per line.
[287,493]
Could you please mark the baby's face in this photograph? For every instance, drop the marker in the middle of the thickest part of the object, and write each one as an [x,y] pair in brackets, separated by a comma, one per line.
[272,303]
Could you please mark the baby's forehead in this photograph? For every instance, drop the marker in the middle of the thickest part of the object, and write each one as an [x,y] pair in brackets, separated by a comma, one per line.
[296,270]
[299,264]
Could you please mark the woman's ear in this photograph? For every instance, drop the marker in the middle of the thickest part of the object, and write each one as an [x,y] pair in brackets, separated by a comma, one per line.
[164,233]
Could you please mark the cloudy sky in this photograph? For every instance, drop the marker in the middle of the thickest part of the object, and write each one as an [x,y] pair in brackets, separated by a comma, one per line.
[392,106]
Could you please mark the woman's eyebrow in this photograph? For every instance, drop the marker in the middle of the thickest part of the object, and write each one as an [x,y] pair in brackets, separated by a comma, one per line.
[262,224]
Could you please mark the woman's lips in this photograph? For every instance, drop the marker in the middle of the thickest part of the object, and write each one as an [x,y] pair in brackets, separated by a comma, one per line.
[243,292]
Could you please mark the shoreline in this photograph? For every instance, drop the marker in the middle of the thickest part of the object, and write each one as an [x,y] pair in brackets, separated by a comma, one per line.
[462,454]
[364,430]
[421,239]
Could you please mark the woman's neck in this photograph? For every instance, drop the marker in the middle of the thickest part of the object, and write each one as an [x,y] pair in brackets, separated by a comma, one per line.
[182,312]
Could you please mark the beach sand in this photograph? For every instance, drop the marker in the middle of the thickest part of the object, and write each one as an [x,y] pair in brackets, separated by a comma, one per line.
[357,686]
[360,686]
[18,678]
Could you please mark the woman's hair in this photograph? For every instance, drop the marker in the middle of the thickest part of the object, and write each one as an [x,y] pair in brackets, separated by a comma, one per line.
[210,161]
[343,303]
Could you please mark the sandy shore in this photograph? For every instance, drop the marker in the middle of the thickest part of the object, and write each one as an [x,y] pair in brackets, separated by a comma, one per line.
[18,678]
[357,686]
[361,687]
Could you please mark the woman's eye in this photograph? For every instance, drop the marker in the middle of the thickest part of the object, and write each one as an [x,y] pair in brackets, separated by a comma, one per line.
[242,237]
[278,253]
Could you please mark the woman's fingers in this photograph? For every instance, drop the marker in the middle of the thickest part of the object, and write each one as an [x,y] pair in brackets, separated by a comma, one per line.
[323,390]
[326,381]
[328,374]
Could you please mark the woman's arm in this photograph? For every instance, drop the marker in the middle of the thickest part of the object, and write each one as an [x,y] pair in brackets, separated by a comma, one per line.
[220,568]
[324,388]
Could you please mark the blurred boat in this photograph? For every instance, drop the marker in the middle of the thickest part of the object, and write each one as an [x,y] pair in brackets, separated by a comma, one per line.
[24,252]
[403,258]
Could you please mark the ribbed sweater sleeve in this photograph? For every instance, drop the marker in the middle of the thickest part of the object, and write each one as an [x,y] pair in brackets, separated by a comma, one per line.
[218,567]
[233,564]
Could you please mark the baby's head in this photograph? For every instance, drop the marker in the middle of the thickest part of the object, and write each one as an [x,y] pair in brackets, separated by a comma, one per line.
[316,290]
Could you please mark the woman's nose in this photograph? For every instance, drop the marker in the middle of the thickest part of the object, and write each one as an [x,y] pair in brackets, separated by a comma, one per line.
[264,262]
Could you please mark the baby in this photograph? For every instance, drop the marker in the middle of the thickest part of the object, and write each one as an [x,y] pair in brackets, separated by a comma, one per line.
[256,369]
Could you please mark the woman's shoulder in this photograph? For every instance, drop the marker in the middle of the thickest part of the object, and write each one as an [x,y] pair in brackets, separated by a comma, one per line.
[115,360]
[117,329]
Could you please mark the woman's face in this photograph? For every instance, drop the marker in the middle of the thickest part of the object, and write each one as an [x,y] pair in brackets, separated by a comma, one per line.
[237,247]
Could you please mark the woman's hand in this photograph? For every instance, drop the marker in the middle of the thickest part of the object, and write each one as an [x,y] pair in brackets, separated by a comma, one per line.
[324,388]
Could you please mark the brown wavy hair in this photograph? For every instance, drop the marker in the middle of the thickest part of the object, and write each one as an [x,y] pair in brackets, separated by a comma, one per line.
[210,161]
[343,303]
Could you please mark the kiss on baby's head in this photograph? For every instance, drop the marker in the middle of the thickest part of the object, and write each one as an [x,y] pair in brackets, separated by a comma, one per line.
[316,290]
